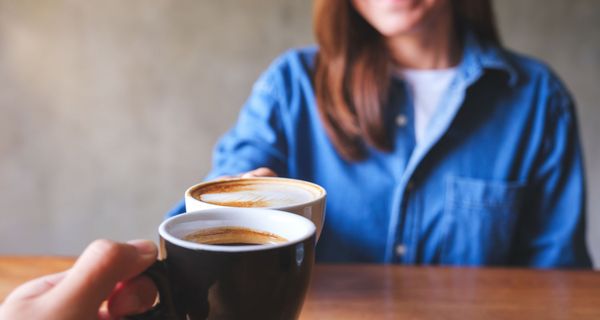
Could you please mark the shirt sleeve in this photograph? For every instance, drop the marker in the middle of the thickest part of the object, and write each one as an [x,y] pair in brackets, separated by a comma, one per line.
[257,139]
[552,228]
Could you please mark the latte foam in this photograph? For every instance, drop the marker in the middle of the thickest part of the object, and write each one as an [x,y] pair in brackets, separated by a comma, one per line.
[257,195]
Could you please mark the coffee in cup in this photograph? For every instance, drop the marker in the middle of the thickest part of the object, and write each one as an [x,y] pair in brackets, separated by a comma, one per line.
[233,263]
[233,236]
[297,196]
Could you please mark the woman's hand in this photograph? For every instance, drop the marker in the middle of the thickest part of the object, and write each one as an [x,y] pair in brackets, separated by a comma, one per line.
[260,172]
[105,271]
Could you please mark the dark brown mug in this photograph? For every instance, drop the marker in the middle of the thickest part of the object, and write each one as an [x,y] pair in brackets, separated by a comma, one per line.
[232,281]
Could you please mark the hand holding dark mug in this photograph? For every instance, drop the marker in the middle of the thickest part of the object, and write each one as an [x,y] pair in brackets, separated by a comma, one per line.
[233,263]
[106,271]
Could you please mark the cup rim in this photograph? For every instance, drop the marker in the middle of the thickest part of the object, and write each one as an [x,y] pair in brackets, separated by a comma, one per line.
[319,198]
[208,213]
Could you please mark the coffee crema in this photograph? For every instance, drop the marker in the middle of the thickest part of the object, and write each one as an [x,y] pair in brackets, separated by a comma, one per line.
[254,194]
[233,236]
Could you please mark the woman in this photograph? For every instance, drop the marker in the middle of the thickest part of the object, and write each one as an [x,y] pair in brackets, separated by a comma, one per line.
[436,145]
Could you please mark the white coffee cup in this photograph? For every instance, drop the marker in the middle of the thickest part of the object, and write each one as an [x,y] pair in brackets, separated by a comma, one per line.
[296,196]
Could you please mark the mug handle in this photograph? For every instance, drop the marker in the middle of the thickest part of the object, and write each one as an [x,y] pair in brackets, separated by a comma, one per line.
[164,309]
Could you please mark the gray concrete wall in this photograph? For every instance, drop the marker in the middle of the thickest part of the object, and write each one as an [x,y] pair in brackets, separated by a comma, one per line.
[109,109]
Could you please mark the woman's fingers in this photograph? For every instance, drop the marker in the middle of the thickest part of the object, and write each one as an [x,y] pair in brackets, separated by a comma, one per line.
[260,172]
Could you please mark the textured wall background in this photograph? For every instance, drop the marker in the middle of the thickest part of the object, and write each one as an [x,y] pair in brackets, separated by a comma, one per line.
[109,109]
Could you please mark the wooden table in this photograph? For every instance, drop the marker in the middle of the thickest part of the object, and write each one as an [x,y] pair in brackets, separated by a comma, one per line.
[397,292]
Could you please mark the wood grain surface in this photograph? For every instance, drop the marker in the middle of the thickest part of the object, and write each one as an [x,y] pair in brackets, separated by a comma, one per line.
[17,270]
[399,292]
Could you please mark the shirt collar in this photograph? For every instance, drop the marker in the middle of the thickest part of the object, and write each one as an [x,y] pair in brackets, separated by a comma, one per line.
[479,57]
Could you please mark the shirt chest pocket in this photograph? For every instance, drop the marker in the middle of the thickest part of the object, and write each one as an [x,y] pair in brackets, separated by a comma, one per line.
[479,220]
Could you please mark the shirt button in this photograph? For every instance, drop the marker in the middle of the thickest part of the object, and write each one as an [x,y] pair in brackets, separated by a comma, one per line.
[401,120]
[400,250]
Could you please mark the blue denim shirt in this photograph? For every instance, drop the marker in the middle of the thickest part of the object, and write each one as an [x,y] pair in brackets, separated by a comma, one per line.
[497,180]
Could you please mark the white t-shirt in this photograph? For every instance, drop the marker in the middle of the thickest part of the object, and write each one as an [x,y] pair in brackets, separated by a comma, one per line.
[427,88]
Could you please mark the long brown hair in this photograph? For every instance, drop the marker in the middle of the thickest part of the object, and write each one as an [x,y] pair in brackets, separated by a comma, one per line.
[353,71]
